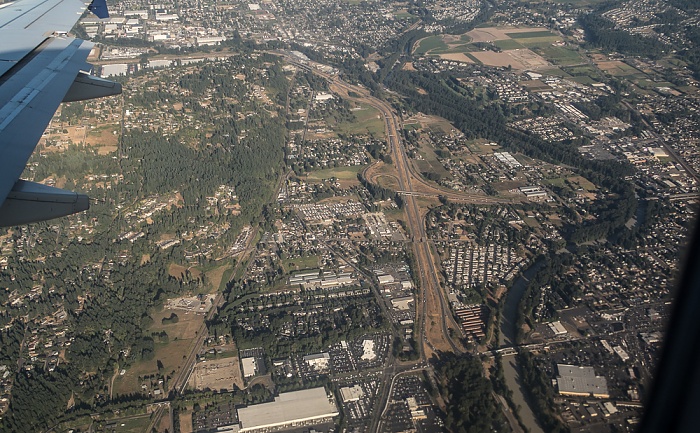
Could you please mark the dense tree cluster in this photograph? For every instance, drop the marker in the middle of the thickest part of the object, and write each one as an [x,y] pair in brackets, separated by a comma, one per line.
[541,393]
[602,33]
[471,407]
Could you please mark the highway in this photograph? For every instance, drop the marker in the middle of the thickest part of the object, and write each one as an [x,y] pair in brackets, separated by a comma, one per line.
[430,284]
[409,181]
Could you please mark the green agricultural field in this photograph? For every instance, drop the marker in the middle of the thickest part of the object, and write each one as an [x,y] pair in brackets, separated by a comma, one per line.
[555,72]
[535,34]
[560,55]
[578,71]
[463,48]
[430,43]
[538,42]
[507,44]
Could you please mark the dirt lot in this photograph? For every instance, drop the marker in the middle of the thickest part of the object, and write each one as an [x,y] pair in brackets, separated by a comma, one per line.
[457,57]
[105,138]
[490,34]
[186,422]
[217,374]
[518,59]
[215,276]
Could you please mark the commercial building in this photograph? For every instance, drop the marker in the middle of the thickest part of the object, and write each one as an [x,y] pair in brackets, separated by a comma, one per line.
[291,409]
[581,381]
[351,393]
[318,361]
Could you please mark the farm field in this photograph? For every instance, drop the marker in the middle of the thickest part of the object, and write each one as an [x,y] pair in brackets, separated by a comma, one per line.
[485,42]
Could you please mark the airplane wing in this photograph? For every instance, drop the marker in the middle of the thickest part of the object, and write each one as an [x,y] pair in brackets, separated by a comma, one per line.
[40,67]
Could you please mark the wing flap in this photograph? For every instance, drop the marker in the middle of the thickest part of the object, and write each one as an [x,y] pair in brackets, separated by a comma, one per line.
[88,86]
[30,202]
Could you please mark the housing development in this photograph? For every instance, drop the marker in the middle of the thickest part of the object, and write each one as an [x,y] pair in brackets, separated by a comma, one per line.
[359,216]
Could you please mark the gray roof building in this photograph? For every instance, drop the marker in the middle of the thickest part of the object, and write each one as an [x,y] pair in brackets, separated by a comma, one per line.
[581,381]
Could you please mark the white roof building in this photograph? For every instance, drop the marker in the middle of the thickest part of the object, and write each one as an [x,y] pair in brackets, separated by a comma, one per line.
[114,69]
[299,408]
[250,367]
[351,393]
[368,350]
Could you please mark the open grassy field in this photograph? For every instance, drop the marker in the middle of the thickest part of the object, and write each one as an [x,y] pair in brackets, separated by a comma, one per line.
[104,137]
[559,55]
[531,34]
[539,41]
[579,3]
[343,174]
[430,43]
[300,263]
[584,79]
[131,424]
[617,68]
[555,72]
[430,162]
[579,71]
[507,44]
[403,14]
[216,277]
[583,183]
[171,354]
[367,121]
[389,182]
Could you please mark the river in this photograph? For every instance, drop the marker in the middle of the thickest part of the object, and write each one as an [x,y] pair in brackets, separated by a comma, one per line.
[509,318]
[507,337]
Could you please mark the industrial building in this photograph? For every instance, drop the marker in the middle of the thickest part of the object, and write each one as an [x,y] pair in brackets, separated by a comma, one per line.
[290,409]
[581,381]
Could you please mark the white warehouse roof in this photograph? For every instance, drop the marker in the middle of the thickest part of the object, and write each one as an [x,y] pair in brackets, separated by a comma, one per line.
[290,407]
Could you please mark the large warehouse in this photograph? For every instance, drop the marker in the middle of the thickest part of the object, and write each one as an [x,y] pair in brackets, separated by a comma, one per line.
[581,381]
[290,409]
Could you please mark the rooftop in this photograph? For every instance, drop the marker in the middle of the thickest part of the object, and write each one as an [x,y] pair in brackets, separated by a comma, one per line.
[580,381]
[288,407]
